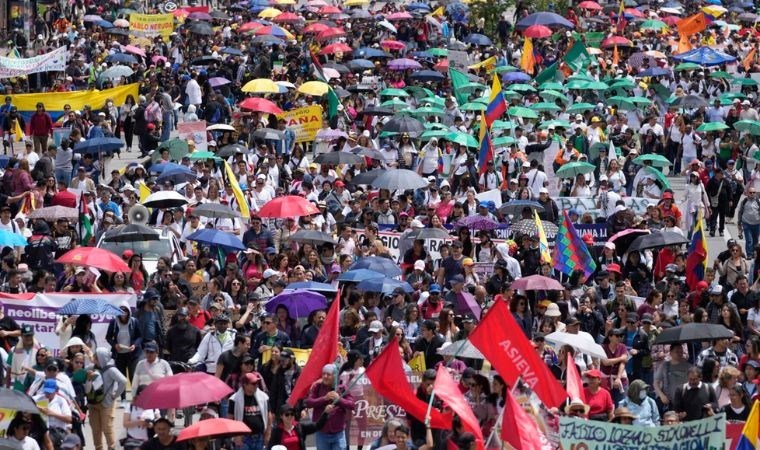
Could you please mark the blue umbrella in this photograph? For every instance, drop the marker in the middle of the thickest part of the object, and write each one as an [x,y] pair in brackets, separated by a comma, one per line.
[413,6]
[79,306]
[478,39]
[160,168]
[10,239]
[548,19]
[458,11]
[713,2]
[360,64]
[232,51]
[300,302]
[385,266]
[104,24]
[369,52]
[384,285]
[216,238]
[427,75]
[516,77]
[177,176]
[705,56]
[123,58]
[99,145]
[358,275]
[312,286]
[422,55]
[654,72]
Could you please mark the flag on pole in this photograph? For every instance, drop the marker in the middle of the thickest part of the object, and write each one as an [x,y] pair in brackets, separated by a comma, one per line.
[144,192]
[448,390]
[497,105]
[548,74]
[458,80]
[85,221]
[486,146]
[751,431]
[232,182]
[570,252]
[543,244]
[692,24]
[573,382]
[696,262]
[518,429]
[577,58]
[615,56]
[749,60]
[528,60]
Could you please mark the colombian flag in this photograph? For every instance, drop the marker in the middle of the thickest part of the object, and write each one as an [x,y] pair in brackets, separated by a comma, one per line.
[543,244]
[486,147]
[497,106]
[696,262]
[751,431]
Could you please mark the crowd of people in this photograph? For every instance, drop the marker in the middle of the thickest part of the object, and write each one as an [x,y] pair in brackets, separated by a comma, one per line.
[637,116]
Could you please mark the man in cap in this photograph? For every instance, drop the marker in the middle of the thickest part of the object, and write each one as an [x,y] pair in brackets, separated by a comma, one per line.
[217,341]
[22,356]
[265,289]
[250,405]
[71,442]
[323,397]
[428,343]
[374,344]
[151,368]
[284,380]
[182,338]
[719,192]
[451,265]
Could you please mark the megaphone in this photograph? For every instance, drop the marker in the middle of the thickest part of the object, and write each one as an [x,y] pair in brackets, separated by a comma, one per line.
[138,214]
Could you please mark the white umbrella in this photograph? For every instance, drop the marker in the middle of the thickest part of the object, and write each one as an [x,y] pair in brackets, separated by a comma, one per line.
[121,23]
[220,127]
[461,349]
[330,73]
[582,342]
[388,25]
[165,199]
[117,72]
[285,84]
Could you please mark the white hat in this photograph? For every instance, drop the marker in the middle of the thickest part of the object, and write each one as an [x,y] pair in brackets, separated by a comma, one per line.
[543,190]
[261,176]
[419,265]
[375,326]
[270,273]
[73,341]
[619,208]
[603,178]
[416,224]
[526,164]
[212,143]
[717,289]
[431,179]
[746,103]
[609,245]
[578,117]
[552,311]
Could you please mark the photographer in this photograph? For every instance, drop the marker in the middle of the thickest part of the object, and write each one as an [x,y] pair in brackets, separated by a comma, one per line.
[138,423]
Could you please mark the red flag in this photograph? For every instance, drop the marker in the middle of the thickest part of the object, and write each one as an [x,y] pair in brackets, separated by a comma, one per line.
[386,372]
[513,355]
[518,429]
[447,389]
[326,345]
[573,382]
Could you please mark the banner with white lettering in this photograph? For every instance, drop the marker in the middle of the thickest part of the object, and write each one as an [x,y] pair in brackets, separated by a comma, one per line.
[54,61]
[705,434]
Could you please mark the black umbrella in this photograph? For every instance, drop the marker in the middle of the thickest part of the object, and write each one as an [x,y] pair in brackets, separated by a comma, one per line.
[397,179]
[657,240]
[368,152]
[427,75]
[341,68]
[693,332]
[429,233]
[690,102]
[229,150]
[338,158]
[205,61]
[515,207]
[17,401]
[216,211]
[623,239]
[220,15]
[359,88]
[202,28]
[131,233]
[377,111]
[404,124]
[367,177]
[118,31]
[312,236]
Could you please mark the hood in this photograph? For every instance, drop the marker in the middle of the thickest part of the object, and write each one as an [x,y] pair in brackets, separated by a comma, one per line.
[102,357]
[634,390]
[125,304]
[191,109]
[41,228]
[503,250]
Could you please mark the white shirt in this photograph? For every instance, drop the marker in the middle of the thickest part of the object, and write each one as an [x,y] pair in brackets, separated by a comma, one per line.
[59,405]
[536,180]
[657,128]
[28,443]
[193,91]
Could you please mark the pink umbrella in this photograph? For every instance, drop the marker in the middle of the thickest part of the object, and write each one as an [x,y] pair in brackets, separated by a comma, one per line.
[250,26]
[634,12]
[537,283]
[399,16]
[287,17]
[325,10]
[335,48]
[182,390]
[442,65]
[392,45]
[121,23]
[403,64]
[315,28]
[618,41]
[158,58]
[590,5]
[466,304]
[316,3]
[331,33]
[537,31]
[135,50]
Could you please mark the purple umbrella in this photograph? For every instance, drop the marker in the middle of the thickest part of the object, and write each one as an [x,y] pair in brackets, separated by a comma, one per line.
[299,302]
[516,77]
[467,304]
[218,81]
[200,16]
[404,64]
[330,134]
[478,222]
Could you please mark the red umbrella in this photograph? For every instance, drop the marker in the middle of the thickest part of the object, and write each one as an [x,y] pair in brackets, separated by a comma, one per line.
[288,206]
[442,65]
[329,10]
[249,26]
[392,45]
[671,20]
[537,283]
[634,12]
[619,41]
[588,4]
[335,48]
[287,17]
[94,257]
[537,31]
[623,239]
[217,428]
[182,390]
[331,33]
[315,28]
[260,105]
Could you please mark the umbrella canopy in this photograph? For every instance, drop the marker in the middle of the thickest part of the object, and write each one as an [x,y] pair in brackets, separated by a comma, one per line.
[17,401]
[94,257]
[10,239]
[79,306]
[315,88]
[398,179]
[378,264]
[312,286]
[461,349]
[404,124]
[429,233]
[99,145]
[657,240]
[515,207]
[705,56]
[216,211]
[339,157]
[690,102]
[693,332]
[712,126]
[177,176]
[384,285]
[623,239]
[201,28]
[132,232]
[582,342]
[548,19]
[313,236]
[182,390]
[478,222]
[165,199]
[575,168]
[537,31]
[358,275]
[217,238]
[122,58]
[231,149]
[528,226]
[53,213]
[288,206]
[213,428]
[261,86]
[299,302]
[537,283]
[655,159]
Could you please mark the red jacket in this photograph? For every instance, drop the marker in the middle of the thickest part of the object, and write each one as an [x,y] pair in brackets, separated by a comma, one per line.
[65,198]
[41,124]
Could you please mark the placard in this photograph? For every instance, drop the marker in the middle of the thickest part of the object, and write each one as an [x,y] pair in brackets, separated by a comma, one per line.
[305,122]
[195,131]
[151,25]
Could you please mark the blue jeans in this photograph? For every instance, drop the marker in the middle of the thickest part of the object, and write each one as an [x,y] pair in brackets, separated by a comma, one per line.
[224,407]
[331,441]
[63,175]
[255,442]
[167,126]
[751,233]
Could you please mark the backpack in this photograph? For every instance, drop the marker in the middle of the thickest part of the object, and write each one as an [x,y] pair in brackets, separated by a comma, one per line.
[96,396]
[217,115]
[40,252]
[153,112]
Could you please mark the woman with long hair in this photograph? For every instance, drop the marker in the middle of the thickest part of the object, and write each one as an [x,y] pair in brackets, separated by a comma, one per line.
[83,330]
[738,407]
[118,284]
[729,318]
[126,121]
[485,249]
[446,326]
[238,291]
[412,323]
[286,324]
[349,374]
[138,275]
[734,266]
[287,431]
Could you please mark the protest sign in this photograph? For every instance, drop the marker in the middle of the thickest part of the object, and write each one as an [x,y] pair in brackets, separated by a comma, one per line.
[54,101]
[301,355]
[305,122]
[39,311]
[587,204]
[459,59]
[151,25]
[369,82]
[195,131]
[54,61]
[705,434]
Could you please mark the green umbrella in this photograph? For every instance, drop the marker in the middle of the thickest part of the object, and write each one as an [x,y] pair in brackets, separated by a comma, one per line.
[469,87]
[658,176]
[721,74]
[545,106]
[512,95]
[640,100]
[745,81]
[387,134]
[393,92]
[419,92]
[395,104]
[621,102]
[438,51]
[506,68]
[435,126]
[553,85]
[195,156]
[177,149]
[580,107]
[552,95]
[580,77]
[521,111]
[522,87]
[426,136]
[504,141]
[653,25]
[625,83]
[433,100]
[750,126]
[502,125]
[473,106]
[734,95]
[555,123]
[484,100]
[427,111]
[687,66]
[575,168]
[593,86]
[463,139]
[712,126]
[657,160]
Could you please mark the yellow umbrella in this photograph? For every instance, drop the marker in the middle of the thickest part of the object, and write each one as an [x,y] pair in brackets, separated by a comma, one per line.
[261,86]
[270,13]
[285,2]
[714,10]
[315,88]
[355,2]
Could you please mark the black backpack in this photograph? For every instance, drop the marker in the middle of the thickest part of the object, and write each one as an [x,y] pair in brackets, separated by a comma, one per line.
[40,253]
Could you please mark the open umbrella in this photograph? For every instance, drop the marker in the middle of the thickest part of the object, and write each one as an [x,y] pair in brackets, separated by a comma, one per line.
[177,176]
[312,286]
[213,428]
[216,238]
[339,157]
[537,31]
[515,207]
[528,226]
[429,233]
[133,232]
[693,332]
[231,149]
[537,283]
[705,56]
[478,222]
[623,239]
[177,149]
[261,86]
[215,211]
[399,179]
[403,64]
[165,199]
[288,206]
[461,349]
[655,159]
[202,28]
[99,145]
[658,177]
[549,19]
[260,105]
[315,88]
[358,275]
[378,264]
[79,306]
[712,126]
[121,58]
[299,302]
[575,168]
[582,342]
[383,285]
[53,213]
[17,401]
[690,102]
[313,236]
[657,240]
[465,303]
[182,390]
[94,257]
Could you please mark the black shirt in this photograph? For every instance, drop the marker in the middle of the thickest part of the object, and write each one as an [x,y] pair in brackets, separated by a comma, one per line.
[252,415]
[155,444]
[8,324]
[231,363]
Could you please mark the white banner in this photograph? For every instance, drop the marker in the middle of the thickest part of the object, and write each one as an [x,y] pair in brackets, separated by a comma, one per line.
[40,313]
[54,61]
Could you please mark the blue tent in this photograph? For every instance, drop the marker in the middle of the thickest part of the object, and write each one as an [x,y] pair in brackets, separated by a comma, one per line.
[705,56]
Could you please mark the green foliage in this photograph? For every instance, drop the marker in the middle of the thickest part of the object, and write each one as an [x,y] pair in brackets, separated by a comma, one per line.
[490,11]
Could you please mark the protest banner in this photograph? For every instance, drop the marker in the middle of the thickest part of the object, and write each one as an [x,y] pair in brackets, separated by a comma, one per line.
[195,131]
[301,355]
[54,101]
[305,122]
[151,25]
[39,311]
[588,204]
[369,82]
[459,59]
[705,434]
[54,61]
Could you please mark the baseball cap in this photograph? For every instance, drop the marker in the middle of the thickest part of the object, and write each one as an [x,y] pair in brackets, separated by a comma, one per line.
[150,347]
[435,289]
[71,441]
[375,326]
[251,378]
[594,373]
[50,386]
[27,330]
[716,290]
[270,273]
[419,265]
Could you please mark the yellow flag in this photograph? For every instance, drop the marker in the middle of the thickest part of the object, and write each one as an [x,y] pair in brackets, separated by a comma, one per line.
[17,131]
[543,244]
[438,12]
[749,60]
[528,61]
[417,364]
[239,197]
[144,192]
[489,64]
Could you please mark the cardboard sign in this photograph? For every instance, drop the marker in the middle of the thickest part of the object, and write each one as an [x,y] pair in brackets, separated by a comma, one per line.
[195,131]
[151,25]
[305,122]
